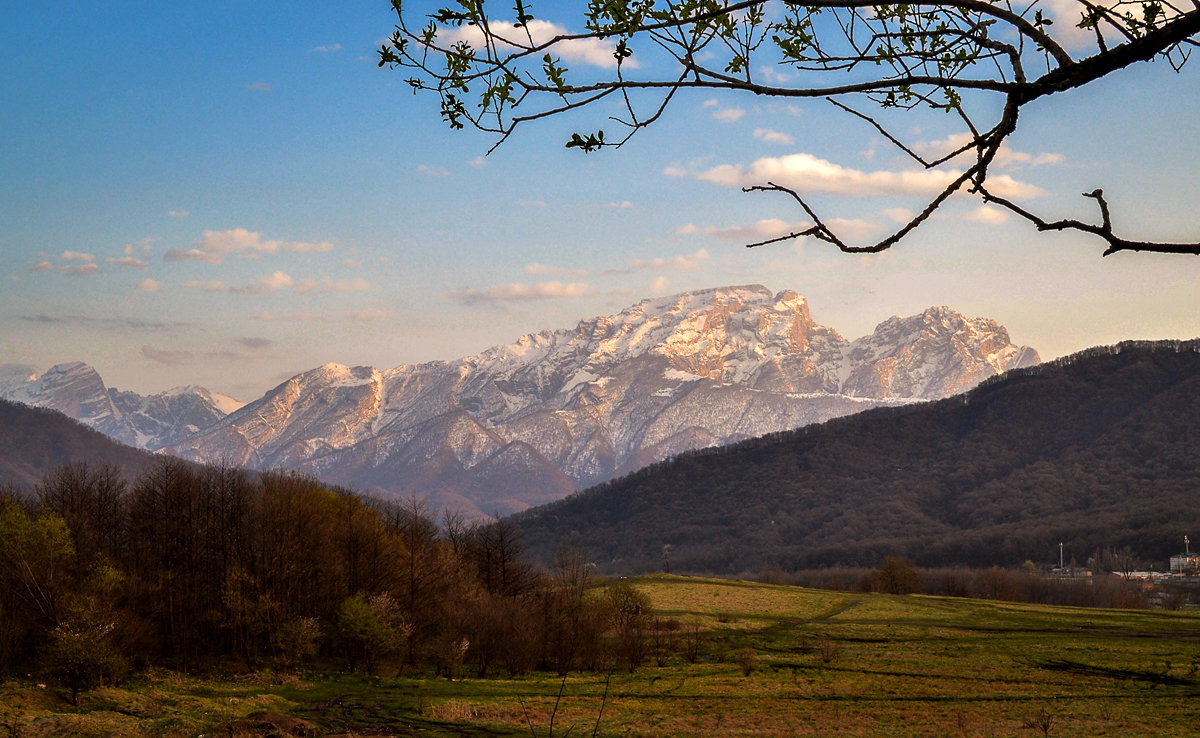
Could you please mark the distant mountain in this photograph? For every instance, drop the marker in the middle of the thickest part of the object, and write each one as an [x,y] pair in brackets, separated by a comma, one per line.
[531,421]
[1100,449]
[76,390]
[34,441]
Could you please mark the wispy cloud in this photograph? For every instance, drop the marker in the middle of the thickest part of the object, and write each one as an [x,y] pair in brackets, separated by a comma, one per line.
[192,255]
[723,114]
[807,173]
[1006,157]
[128,262]
[79,270]
[255,343]
[92,323]
[179,213]
[77,256]
[149,285]
[259,87]
[170,358]
[619,205]
[279,280]
[427,170]
[681,263]
[41,266]
[553,271]
[522,292]
[770,136]
[213,245]
[326,49]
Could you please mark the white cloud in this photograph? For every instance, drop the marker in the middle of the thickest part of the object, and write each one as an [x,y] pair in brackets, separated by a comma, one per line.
[327,49]
[552,271]
[127,261]
[807,173]
[674,171]
[899,215]
[761,230]
[660,285]
[478,161]
[259,87]
[687,229]
[1006,157]
[728,115]
[240,240]
[987,214]
[178,213]
[770,136]
[772,76]
[213,244]
[76,256]
[149,285]
[352,263]
[681,263]
[268,283]
[845,228]
[522,292]
[622,205]
[81,270]
[589,51]
[426,170]
[41,266]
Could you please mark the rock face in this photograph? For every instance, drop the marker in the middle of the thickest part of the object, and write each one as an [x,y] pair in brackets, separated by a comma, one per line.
[76,390]
[528,422]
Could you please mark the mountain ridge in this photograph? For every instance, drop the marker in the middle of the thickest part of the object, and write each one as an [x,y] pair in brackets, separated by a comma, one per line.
[614,392]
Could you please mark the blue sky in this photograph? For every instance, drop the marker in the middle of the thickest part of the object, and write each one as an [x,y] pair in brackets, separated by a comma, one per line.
[227,193]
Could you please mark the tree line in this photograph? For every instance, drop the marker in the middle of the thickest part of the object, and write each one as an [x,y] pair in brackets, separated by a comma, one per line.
[197,567]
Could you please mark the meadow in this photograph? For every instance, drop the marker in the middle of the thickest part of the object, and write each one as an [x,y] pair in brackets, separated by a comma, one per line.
[737,658]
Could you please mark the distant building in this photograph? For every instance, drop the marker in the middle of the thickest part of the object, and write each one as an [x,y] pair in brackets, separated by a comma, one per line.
[1185,563]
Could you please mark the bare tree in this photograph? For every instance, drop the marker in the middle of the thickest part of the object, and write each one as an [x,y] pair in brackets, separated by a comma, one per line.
[981,61]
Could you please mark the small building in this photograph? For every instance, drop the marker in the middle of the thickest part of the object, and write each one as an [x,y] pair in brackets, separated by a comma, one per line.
[1185,563]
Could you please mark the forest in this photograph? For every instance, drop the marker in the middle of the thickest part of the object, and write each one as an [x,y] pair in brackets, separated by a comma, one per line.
[194,568]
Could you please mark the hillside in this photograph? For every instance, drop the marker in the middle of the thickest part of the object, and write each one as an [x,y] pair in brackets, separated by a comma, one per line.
[1098,449]
[34,441]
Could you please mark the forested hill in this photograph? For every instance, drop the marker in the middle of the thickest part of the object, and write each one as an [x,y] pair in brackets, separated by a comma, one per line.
[35,441]
[1100,449]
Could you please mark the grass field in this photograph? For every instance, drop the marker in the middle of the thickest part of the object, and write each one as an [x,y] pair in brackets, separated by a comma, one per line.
[776,661]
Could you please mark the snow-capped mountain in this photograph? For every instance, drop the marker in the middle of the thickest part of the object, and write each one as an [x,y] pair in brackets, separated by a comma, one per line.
[76,390]
[528,422]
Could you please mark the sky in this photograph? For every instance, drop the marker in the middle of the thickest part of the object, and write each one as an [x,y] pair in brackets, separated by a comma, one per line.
[229,193]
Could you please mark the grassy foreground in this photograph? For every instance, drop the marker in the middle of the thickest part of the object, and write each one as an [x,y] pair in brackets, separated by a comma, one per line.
[775,660]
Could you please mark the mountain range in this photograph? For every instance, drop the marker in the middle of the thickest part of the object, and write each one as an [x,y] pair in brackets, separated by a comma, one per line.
[555,411]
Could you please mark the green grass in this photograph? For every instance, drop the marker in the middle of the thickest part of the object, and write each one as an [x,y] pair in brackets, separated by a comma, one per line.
[822,663]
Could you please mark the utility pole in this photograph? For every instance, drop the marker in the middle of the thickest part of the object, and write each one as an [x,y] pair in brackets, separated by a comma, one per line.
[1187,551]
[1060,556]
